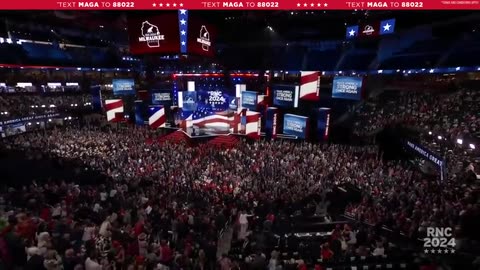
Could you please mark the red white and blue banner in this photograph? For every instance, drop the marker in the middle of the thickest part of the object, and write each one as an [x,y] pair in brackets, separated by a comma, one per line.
[113,109]
[371,29]
[271,123]
[251,124]
[295,125]
[183,28]
[157,117]
[323,123]
[310,85]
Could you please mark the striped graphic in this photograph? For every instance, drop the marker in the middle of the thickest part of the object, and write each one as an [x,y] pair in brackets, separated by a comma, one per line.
[252,124]
[157,117]
[310,85]
[113,108]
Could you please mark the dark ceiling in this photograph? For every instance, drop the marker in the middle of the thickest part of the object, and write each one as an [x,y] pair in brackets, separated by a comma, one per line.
[247,26]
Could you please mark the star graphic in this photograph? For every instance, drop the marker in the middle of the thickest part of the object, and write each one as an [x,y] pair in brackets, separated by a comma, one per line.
[160,5]
[168,5]
[183,32]
[181,4]
[386,27]
[298,5]
[452,250]
[154,5]
[312,4]
[183,43]
[305,4]
[351,33]
[183,22]
[426,251]
[183,11]
[174,4]
[319,5]
[433,251]
[325,5]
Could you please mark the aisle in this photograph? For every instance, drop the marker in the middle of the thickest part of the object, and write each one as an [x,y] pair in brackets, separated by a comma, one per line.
[225,242]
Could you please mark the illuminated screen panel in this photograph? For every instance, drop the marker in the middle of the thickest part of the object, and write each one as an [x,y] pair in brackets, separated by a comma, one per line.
[154,34]
[201,37]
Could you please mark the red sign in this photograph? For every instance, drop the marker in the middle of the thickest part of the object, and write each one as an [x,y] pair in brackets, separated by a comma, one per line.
[239,5]
[157,34]
[201,37]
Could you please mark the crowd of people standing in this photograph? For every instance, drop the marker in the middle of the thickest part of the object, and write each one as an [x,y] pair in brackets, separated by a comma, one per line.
[164,205]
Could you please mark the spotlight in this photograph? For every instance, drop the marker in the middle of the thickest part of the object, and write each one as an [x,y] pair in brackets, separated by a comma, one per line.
[460,141]
[472,146]
[439,137]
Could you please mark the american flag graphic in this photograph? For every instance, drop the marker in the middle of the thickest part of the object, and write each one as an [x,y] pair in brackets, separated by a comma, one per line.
[183,27]
[113,108]
[204,116]
[310,85]
[157,117]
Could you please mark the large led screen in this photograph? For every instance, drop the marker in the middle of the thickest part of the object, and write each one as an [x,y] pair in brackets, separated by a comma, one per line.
[154,34]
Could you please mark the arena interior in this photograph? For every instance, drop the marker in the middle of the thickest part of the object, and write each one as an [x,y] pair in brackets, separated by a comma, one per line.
[195,140]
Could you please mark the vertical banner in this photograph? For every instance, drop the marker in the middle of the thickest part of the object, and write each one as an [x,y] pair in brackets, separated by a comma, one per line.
[323,123]
[183,28]
[271,123]
[96,92]
[310,85]
[139,112]
[113,109]
[253,124]
[156,116]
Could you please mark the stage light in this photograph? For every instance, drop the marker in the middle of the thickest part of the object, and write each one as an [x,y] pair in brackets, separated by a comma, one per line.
[472,146]
[429,133]
[460,141]
[439,137]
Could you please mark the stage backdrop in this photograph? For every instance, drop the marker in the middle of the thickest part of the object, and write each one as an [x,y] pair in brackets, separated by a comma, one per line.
[347,87]
[154,34]
[295,125]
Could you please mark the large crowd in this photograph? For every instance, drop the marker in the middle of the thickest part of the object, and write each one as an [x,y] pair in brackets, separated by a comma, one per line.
[442,120]
[164,205]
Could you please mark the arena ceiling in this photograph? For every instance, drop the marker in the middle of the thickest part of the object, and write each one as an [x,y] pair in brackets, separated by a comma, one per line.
[236,26]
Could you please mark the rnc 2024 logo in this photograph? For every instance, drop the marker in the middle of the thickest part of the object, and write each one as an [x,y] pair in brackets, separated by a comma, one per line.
[151,35]
[439,241]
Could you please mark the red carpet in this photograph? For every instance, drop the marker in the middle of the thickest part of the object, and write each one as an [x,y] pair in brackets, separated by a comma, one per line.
[224,141]
[174,137]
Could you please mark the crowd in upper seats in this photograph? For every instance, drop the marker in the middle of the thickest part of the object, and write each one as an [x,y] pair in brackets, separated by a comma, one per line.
[164,205]
[441,118]
[14,106]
